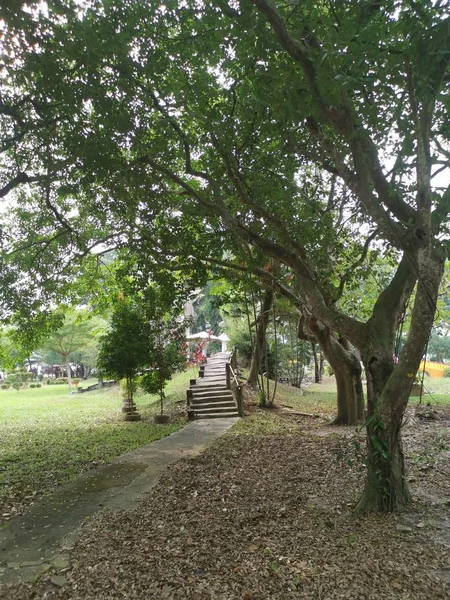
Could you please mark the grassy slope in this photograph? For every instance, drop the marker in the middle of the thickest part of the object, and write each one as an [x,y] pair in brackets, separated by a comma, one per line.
[321,398]
[48,436]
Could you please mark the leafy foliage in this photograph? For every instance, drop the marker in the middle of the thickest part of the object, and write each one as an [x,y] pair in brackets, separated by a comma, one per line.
[144,337]
[439,347]
[18,379]
[124,348]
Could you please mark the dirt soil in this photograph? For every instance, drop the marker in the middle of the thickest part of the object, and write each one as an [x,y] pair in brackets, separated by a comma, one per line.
[268,516]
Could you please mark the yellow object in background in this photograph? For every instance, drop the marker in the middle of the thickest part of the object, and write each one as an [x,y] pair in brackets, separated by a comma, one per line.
[434,369]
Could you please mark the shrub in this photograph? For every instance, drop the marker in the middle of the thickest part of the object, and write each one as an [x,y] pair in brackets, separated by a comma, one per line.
[18,379]
[6,386]
[32,385]
[447,372]
[38,385]
[75,381]
[57,381]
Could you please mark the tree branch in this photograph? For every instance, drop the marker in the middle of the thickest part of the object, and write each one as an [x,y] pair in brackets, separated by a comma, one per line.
[19,179]
[341,118]
[392,300]
[349,272]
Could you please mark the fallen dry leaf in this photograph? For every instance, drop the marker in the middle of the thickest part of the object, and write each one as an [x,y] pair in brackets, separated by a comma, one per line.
[287,531]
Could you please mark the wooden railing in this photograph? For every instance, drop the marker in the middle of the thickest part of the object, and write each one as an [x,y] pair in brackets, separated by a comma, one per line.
[190,409]
[233,381]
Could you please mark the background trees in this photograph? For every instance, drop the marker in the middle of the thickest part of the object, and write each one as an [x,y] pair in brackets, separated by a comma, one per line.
[439,347]
[76,333]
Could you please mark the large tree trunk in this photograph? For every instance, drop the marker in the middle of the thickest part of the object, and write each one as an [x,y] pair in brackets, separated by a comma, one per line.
[260,339]
[385,488]
[347,370]
[388,389]
[350,394]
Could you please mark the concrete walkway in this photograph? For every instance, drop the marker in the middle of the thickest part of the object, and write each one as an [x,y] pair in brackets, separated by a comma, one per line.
[39,540]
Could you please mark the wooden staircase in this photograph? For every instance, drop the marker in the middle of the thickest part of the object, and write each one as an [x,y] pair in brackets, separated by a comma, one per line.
[208,396]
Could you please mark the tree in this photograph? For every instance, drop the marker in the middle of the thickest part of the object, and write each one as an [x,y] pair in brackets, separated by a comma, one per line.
[167,352]
[318,363]
[207,309]
[145,338]
[167,356]
[19,378]
[10,353]
[124,349]
[439,347]
[74,334]
[259,342]
[184,131]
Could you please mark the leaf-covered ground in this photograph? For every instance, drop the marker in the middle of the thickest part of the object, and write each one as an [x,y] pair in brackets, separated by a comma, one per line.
[266,513]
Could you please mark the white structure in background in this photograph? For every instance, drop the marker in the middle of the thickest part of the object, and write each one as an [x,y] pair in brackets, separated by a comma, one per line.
[224,339]
[189,313]
[201,335]
[205,336]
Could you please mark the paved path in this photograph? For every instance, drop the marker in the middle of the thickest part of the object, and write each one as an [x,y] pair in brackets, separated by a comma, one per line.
[39,540]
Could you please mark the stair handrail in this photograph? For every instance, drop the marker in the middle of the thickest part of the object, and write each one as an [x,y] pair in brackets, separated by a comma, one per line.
[233,384]
[190,409]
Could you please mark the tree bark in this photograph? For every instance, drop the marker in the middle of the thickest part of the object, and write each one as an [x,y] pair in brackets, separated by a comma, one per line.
[317,365]
[321,361]
[347,370]
[260,339]
[388,389]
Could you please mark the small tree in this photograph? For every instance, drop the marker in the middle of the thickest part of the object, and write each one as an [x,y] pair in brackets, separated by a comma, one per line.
[167,356]
[124,348]
[166,343]
[143,336]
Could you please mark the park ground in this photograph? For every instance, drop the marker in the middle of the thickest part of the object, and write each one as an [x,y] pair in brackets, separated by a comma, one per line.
[265,513]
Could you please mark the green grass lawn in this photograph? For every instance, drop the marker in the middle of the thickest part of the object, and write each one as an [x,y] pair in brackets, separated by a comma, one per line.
[48,436]
[321,398]
[436,391]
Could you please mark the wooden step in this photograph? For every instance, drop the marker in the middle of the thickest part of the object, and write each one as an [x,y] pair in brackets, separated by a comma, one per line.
[205,385]
[210,393]
[213,409]
[217,415]
[199,406]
